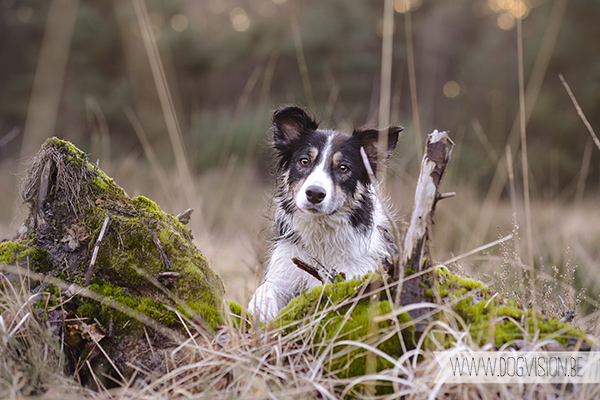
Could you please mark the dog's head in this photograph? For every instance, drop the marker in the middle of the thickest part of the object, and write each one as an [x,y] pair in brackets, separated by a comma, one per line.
[323,169]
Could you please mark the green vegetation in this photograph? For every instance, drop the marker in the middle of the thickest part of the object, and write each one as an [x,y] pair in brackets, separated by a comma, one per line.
[344,313]
[84,230]
[23,253]
[490,317]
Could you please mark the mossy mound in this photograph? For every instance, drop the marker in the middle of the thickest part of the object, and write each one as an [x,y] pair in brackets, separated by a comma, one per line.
[145,259]
[343,312]
[331,321]
[492,318]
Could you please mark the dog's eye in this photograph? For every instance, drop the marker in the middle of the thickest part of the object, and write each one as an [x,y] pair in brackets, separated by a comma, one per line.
[304,161]
[343,168]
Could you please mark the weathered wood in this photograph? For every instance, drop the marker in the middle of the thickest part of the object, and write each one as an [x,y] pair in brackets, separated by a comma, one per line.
[416,242]
[416,256]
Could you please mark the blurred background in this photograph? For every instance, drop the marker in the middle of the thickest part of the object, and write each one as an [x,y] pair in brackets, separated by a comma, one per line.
[173,100]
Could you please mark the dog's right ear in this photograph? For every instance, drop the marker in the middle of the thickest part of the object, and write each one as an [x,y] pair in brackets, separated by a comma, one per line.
[289,123]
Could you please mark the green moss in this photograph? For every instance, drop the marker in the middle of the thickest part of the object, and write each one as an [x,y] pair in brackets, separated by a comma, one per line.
[144,203]
[490,316]
[343,314]
[24,254]
[317,298]
[235,308]
[124,324]
[101,184]
[73,154]
[197,286]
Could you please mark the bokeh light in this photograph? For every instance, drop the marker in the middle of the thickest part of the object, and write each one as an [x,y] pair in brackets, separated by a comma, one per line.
[510,10]
[451,89]
[179,22]
[239,19]
[506,21]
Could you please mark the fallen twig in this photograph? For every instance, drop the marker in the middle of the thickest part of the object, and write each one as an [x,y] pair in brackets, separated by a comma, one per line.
[321,273]
[162,253]
[90,272]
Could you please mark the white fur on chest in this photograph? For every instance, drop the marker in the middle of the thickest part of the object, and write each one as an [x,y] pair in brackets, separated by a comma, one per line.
[336,244]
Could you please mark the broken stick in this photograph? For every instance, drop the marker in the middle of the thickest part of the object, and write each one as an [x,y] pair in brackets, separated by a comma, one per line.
[416,254]
[433,166]
[320,272]
[90,271]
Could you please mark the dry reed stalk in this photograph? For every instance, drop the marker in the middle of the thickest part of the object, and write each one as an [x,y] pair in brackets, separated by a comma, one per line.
[25,273]
[580,112]
[524,153]
[308,92]
[158,170]
[166,101]
[49,75]
[532,91]
[412,79]
[583,173]
[100,133]
[385,83]
[478,249]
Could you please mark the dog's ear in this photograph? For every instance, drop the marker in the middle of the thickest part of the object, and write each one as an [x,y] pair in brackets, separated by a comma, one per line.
[290,122]
[368,138]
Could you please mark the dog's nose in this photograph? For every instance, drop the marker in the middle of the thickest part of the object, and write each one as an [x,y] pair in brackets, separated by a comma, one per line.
[315,194]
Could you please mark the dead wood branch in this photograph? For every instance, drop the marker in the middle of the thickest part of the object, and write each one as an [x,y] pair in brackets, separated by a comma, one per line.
[416,256]
[161,251]
[433,166]
[320,272]
[90,271]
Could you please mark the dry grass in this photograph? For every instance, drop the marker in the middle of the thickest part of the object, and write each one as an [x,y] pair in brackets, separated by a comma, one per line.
[32,361]
[254,364]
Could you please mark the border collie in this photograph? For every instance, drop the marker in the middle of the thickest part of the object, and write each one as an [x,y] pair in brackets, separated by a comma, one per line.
[326,211]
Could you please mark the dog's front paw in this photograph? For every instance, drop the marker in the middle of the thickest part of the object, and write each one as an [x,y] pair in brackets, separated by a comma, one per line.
[264,303]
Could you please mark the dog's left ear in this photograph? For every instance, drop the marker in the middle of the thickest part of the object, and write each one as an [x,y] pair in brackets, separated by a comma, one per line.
[369,138]
[291,122]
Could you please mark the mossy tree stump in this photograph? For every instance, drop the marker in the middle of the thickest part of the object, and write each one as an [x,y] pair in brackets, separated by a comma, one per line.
[84,230]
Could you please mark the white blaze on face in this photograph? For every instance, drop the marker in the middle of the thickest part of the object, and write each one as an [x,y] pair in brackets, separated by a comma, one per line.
[318,179]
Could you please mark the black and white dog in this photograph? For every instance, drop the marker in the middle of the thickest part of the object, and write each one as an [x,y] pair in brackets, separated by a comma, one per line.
[326,209]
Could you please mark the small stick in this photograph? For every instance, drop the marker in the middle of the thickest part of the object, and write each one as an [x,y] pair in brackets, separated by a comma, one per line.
[90,271]
[320,273]
[442,196]
[185,216]
[569,315]
[163,255]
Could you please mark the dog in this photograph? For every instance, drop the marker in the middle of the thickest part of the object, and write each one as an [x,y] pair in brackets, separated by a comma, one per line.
[326,211]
